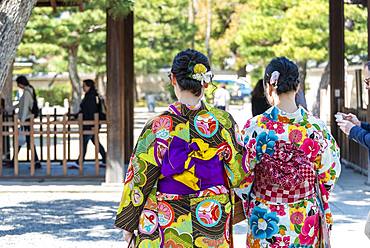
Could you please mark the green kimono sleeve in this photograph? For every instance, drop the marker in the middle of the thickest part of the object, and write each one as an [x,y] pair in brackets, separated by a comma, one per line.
[142,175]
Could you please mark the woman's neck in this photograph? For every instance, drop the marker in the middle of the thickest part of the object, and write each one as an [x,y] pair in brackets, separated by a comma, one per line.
[189,98]
[287,102]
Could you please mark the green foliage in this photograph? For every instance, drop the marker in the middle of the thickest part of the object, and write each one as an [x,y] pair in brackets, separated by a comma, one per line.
[55,95]
[161,30]
[356,38]
[251,32]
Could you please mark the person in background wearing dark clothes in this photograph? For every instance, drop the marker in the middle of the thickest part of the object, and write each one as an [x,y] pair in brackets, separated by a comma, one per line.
[259,101]
[300,98]
[89,106]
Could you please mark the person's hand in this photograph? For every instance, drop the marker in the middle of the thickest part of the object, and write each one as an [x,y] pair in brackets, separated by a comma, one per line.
[345,126]
[352,118]
[127,236]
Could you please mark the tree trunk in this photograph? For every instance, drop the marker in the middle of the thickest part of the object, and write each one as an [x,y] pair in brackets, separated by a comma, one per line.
[101,84]
[302,69]
[324,83]
[7,91]
[300,97]
[191,20]
[209,30]
[75,79]
[14,15]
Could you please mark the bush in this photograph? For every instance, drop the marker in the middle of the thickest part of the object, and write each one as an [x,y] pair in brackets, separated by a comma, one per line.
[55,95]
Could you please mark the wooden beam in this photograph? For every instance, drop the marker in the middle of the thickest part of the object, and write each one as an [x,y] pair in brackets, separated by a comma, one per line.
[53,4]
[120,95]
[336,60]
[58,3]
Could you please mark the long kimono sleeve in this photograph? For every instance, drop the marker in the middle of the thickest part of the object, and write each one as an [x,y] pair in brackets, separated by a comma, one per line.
[233,167]
[328,169]
[249,159]
[141,177]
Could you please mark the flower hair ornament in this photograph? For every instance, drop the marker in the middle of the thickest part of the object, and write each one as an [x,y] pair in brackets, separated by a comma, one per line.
[199,73]
[274,78]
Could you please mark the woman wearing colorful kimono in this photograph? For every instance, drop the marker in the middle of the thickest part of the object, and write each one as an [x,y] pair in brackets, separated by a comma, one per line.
[177,190]
[292,163]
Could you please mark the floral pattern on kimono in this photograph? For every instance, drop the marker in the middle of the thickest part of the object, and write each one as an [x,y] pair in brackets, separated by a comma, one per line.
[177,191]
[292,163]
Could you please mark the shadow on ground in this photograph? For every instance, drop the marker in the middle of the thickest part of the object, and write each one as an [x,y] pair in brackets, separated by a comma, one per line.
[77,220]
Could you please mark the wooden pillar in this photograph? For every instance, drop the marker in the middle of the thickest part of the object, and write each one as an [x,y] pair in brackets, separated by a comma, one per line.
[120,95]
[336,56]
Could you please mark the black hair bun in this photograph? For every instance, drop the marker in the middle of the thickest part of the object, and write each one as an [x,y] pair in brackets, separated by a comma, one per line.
[183,67]
[288,78]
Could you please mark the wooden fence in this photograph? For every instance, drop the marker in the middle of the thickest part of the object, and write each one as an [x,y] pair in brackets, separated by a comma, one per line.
[50,128]
[352,153]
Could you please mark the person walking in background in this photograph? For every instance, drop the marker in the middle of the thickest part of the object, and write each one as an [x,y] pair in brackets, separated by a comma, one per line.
[221,97]
[292,163]
[90,105]
[177,191]
[150,101]
[259,100]
[28,108]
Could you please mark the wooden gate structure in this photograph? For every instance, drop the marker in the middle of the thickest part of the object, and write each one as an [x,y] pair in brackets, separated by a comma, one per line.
[120,86]
[352,153]
[120,91]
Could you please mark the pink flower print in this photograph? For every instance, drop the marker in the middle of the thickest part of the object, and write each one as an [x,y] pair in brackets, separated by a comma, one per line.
[279,209]
[248,124]
[281,242]
[295,136]
[310,230]
[264,119]
[297,218]
[311,148]
[278,127]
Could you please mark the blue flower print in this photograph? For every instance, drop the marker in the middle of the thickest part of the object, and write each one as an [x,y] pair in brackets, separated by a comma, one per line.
[273,115]
[246,139]
[265,143]
[263,225]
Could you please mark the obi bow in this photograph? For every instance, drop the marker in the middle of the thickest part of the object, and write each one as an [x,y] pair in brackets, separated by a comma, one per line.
[179,161]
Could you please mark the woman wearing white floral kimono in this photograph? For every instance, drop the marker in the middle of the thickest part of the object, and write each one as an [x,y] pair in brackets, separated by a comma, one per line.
[292,163]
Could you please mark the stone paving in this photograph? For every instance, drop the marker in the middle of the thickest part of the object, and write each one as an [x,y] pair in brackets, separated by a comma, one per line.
[81,214]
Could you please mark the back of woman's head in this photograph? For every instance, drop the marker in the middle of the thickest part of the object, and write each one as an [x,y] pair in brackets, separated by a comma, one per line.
[22,80]
[282,74]
[183,67]
[90,83]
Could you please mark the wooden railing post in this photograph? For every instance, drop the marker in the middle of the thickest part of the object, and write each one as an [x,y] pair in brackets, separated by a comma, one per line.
[48,164]
[96,142]
[81,134]
[64,145]
[32,145]
[16,144]
[55,134]
[41,137]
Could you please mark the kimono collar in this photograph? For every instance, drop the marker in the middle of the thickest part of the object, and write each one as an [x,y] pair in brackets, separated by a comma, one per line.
[276,114]
[181,109]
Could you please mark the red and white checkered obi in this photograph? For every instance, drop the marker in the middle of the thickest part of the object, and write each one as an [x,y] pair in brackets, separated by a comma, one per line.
[285,177]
